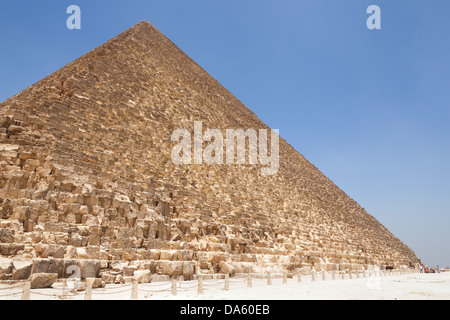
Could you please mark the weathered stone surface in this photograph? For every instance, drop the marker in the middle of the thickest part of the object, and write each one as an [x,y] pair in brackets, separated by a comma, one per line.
[48,266]
[6,267]
[7,235]
[22,269]
[86,174]
[188,271]
[108,278]
[128,271]
[11,249]
[172,268]
[227,268]
[143,276]
[96,282]
[42,280]
[89,268]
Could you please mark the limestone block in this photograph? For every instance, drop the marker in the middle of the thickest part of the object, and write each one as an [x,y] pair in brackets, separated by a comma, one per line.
[22,269]
[48,266]
[95,282]
[89,268]
[90,200]
[172,268]
[42,280]
[129,271]
[97,210]
[188,270]
[226,268]
[10,249]
[7,235]
[13,225]
[108,278]
[143,276]
[6,266]
[167,255]
[20,213]
[74,198]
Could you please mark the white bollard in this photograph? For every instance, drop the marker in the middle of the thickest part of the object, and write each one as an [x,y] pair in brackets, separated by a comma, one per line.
[284,278]
[135,291]
[200,285]
[227,282]
[249,281]
[313,276]
[333,275]
[324,276]
[88,292]
[174,287]
[269,279]
[299,276]
[26,291]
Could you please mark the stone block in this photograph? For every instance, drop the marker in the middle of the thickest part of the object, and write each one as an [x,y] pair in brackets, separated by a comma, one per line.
[42,280]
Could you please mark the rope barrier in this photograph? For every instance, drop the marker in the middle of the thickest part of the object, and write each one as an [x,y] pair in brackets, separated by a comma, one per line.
[259,279]
[12,287]
[213,280]
[44,294]
[153,291]
[155,285]
[212,285]
[115,292]
[10,294]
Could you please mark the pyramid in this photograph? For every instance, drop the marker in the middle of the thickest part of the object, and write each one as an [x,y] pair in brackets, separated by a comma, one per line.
[87,178]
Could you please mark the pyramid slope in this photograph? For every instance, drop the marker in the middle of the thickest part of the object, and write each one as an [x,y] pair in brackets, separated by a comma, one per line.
[86,158]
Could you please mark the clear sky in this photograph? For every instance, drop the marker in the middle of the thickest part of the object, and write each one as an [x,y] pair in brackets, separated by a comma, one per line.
[369,108]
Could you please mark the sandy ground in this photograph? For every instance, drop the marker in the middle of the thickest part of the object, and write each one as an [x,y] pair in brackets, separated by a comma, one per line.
[392,287]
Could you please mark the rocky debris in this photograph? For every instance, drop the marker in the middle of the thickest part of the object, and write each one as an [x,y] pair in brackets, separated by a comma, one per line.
[89,268]
[227,268]
[143,276]
[42,280]
[96,283]
[6,267]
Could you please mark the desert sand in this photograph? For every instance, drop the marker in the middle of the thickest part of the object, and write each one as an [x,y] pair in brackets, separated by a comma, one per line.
[414,286]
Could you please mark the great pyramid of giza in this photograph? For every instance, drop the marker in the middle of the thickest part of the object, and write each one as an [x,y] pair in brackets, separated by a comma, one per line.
[86,177]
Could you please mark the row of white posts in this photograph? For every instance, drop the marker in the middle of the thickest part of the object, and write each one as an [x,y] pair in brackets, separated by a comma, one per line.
[135,289]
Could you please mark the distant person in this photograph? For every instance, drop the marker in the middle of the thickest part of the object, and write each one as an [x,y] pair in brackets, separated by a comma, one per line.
[421,269]
[438,270]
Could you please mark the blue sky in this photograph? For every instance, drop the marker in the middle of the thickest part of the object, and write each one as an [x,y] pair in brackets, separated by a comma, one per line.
[369,108]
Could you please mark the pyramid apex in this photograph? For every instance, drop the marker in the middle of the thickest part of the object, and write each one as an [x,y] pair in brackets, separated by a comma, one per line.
[143,24]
